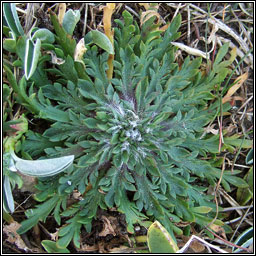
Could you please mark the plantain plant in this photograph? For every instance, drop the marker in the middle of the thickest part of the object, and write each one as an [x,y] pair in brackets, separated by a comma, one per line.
[138,139]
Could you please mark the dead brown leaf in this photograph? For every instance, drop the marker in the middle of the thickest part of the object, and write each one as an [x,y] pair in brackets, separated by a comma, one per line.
[237,84]
[195,246]
[28,183]
[88,248]
[13,236]
[218,230]
[77,195]
[108,226]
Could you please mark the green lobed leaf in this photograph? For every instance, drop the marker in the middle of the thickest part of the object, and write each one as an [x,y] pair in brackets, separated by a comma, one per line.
[51,247]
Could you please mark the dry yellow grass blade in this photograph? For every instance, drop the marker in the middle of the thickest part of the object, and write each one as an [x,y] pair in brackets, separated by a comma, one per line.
[107,14]
[237,84]
[146,5]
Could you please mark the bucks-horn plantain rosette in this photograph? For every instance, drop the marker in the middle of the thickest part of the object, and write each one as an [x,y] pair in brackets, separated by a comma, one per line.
[137,138]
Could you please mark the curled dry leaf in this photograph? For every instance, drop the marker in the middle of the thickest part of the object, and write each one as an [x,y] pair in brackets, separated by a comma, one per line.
[108,227]
[80,51]
[77,195]
[55,59]
[209,129]
[55,235]
[148,14]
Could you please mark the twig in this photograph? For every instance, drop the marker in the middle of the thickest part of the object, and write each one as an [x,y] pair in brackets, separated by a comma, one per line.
[227,242]
[237,219]
[241,5]
[188,34]
[10,247]
[215,194]
[237,207]
[85,19]
[242,27]
[240,222]
[233,203]
[240,165]
[132,11]
[245,103]
[237,154]
[23,202]
[177,10]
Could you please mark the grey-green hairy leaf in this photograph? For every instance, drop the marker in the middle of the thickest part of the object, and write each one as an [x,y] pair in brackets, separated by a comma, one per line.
[45,167]
[100,39]
[12,18]
[45,35]
[32,54]
[70,20]
[8,202]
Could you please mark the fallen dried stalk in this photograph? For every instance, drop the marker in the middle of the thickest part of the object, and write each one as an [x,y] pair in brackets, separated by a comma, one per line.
[223,27]
[238,226]
[85,19]
[184,248]
[237,207]
[242,27]
[227,242]
[190,50]
[233,203]
[241,5]
[245,103]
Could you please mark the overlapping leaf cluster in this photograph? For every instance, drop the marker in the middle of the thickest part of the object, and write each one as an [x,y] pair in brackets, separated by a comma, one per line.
[136,137]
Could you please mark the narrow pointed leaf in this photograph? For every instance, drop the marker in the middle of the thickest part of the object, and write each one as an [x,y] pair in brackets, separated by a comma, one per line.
[31,57]
[8,201]
[12,18]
